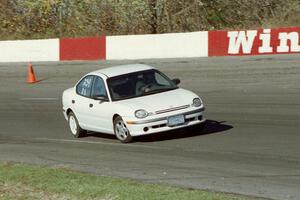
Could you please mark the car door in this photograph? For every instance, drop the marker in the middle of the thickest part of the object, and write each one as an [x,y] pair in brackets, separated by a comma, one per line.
[82,100]
[100,108]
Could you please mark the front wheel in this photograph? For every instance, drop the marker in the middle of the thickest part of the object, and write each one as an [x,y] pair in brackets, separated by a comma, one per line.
[121,131]
[76,130]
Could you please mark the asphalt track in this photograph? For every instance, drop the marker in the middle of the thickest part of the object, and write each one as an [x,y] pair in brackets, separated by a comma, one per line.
[250,146]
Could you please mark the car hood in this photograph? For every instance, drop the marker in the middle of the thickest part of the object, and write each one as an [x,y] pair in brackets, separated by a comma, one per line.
[160,101]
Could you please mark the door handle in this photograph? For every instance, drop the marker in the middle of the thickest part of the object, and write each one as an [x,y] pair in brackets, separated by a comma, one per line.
[73,101]
[91,105]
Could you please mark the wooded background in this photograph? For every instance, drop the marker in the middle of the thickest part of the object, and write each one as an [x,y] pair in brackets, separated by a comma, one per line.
[33,19]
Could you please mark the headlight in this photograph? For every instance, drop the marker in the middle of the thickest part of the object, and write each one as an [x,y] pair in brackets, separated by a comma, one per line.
[141,113]
[197,102]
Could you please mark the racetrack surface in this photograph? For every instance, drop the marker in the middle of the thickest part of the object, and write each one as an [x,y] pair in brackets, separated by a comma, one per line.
[251,144]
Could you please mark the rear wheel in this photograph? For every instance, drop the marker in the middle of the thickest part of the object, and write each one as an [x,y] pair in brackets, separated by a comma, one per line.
[121,131]
[76,130]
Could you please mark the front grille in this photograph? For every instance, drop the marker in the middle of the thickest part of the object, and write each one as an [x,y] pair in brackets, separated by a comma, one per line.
[159,126]
[172,109]
[186,121]
[190,119]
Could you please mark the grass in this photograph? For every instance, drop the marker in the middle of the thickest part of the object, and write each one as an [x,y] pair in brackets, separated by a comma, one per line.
[19,181]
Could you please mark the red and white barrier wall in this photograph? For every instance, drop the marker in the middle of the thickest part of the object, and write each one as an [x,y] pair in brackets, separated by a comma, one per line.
[82,48]
[173,45]
[29,50]
[254,42]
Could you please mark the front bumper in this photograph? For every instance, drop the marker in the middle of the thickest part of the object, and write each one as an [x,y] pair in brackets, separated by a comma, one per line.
[160,124]
[65,114]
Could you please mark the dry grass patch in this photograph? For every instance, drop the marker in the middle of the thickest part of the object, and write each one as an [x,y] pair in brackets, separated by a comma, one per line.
[23,182]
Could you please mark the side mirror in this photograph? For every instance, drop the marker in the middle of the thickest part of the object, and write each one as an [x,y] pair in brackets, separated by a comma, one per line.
[176,81]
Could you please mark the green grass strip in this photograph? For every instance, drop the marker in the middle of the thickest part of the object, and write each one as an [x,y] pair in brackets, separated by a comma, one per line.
[63,182]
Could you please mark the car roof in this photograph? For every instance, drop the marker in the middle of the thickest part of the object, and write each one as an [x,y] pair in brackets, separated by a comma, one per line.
[122,69]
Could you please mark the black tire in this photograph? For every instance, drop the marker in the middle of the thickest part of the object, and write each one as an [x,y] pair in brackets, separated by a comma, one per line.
[75,129]
[121,131]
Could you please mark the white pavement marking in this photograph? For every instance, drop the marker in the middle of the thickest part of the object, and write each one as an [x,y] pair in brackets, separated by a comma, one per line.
[103,143]
[39,99]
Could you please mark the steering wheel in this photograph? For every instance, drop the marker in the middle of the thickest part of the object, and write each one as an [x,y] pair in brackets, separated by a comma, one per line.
[146,88]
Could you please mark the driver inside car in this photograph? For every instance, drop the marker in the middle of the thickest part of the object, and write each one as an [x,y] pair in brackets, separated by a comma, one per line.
[145,83]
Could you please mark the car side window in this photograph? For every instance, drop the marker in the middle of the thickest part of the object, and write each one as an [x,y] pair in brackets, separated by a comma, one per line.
[99,88]
[161,80]
[84,87]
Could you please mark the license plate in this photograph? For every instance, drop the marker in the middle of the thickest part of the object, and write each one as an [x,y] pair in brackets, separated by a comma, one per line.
[176,120]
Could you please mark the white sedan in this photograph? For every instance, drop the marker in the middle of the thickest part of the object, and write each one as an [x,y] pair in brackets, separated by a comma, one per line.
[128,101]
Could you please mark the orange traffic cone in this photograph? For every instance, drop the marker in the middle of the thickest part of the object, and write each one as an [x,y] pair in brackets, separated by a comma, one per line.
[31,76]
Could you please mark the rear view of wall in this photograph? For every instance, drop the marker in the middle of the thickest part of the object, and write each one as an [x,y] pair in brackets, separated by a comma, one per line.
[171,45]
[82,48]
[29,50]
[174,45]
[254,42]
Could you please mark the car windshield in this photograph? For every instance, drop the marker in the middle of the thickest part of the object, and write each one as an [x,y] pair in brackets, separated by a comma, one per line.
[139,84]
